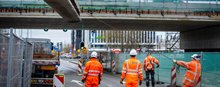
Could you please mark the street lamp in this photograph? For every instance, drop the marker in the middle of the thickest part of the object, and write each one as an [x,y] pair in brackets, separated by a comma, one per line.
[59,47]
[46,29]
[64,30]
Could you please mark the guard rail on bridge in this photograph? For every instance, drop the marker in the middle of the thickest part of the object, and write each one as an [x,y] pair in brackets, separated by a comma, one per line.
[186,8]
[45,11]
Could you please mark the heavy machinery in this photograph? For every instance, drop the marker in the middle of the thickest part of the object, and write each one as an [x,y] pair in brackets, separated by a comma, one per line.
[43,63]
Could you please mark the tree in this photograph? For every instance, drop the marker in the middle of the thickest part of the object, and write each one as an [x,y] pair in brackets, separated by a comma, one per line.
[67,48]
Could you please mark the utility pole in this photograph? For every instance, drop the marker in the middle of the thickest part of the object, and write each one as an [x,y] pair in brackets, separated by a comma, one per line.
[107,52]
[58,46]
[106,41]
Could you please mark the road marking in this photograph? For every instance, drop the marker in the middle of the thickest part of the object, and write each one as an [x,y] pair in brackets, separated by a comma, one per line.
[123,82]
[79,74]
[77,82]
[109,85]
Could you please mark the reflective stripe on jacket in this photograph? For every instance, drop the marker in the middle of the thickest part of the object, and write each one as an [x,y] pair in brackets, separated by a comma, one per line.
[149,63]
[93,72]
[193,72]
[132,70]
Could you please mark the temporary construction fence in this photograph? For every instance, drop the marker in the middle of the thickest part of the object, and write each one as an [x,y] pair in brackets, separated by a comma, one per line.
[11,55]
[209,61]
[4,52]
[27,64]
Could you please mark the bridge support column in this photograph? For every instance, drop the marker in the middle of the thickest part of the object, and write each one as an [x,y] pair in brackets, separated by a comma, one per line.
[206,40]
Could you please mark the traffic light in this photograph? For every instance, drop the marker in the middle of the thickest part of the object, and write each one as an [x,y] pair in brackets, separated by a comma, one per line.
[45,29]
[84,50]
[51,45]
[64,30]
[81,44]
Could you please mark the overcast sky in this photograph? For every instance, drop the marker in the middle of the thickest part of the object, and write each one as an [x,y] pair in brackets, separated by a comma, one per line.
[54,35]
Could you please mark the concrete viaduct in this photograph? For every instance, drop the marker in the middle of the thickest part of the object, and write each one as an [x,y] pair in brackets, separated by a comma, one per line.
[197,33]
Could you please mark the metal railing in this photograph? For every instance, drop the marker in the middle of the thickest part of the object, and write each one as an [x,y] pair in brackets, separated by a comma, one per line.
[164,7]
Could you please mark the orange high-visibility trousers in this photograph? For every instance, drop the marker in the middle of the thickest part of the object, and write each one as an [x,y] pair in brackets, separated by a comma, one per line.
[186,85]
[92,81]
[132,71]
[92,73]
[131,83]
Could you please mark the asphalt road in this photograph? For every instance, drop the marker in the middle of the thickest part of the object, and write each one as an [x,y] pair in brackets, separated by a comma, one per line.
[72,79]
[108,80]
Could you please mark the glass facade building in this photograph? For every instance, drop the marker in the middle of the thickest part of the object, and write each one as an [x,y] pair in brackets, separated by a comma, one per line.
[115,39]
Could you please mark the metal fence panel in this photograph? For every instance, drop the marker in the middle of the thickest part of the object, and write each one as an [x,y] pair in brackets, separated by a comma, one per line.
[27,64]
[210,66]
[15,60]
[210,70]
[11,56]
[4,44]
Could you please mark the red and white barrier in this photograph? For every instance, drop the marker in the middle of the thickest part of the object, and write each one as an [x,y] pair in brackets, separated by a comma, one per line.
[113,66]
[58,80]
[173,76]
[116,50]
[79,68]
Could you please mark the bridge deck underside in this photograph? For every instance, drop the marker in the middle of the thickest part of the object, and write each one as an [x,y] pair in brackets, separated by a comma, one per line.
[112,23]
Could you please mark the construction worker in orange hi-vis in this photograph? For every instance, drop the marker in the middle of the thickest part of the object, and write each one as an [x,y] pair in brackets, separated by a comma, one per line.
[92,72]
[132,71]
[193,71]
[149,62]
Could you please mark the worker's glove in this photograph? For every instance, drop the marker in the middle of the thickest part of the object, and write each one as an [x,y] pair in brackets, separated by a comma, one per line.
[83,80]
[121,81]
[140,82]
[158,66]
[174,61]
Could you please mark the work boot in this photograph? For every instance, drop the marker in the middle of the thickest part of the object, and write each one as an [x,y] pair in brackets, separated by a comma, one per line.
[152,83]
[147,82]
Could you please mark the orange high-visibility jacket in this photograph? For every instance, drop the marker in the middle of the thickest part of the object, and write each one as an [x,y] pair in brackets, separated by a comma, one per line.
[92,73]
[149,63]
[193,72]
[132,71]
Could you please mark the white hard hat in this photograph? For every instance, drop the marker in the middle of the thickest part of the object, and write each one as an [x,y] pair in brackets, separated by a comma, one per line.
[133,52]
[196,56]
[94,54]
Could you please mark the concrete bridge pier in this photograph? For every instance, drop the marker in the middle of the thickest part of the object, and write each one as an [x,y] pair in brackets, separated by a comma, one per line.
[206,40]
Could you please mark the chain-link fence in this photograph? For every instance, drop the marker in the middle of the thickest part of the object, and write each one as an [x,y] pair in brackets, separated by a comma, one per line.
[11,55]
[209,61]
